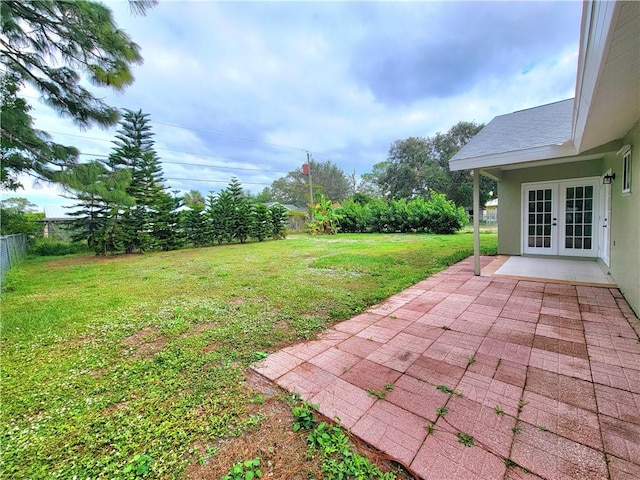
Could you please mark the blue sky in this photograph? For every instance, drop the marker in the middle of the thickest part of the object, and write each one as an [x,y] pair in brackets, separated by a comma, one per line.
[245,88]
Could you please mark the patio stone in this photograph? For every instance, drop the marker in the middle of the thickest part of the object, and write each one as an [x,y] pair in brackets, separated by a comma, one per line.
[568,421]
[492,430]
[621,439]
[442,456]
[551,456]
[392,429]
[618,404]
[490,392]
[616,377]
[343,401]
[573,391]
[623,470]
[435,371]
[568,365]
[370,375]
[306,380]
[334,360]
[417,396]
[544,377]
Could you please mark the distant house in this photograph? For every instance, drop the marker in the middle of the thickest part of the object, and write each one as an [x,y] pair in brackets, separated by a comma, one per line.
[55,216]
[565,171]
[491,212]
[297,215]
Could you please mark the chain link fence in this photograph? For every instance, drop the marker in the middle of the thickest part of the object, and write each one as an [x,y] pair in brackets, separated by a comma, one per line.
[12,249]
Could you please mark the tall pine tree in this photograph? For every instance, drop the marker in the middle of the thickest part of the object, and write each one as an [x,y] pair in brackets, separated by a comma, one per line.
[134,151]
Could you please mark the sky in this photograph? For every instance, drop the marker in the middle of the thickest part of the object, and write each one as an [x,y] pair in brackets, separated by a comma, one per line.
[246,89]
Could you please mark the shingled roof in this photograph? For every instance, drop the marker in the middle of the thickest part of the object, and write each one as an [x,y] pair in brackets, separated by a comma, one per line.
[535,127]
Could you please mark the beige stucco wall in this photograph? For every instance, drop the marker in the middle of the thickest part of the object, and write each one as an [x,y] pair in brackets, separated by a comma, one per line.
[510,195]
[625,222]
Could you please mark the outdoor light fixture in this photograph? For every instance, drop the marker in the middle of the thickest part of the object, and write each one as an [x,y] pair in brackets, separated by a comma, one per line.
[608,178]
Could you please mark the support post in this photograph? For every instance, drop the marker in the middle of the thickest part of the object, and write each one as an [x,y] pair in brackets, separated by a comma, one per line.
[476,221]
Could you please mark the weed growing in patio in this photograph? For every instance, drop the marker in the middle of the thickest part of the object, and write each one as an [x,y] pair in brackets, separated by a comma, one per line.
[515,430]
[498,409]
[442,411]
[521,404]
[449,390]
[511,464]
[430,428]
[380,394]
[471,360]
[465,439]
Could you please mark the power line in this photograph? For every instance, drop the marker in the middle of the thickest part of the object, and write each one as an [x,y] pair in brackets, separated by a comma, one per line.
[204,155]
[197,164]
[231,136]
[213,181]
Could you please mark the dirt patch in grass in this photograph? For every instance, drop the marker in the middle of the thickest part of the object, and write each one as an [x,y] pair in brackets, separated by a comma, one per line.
[198,328]
[143,344]
[282,452]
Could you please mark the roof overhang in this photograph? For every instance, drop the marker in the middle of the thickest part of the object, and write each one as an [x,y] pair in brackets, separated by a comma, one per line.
[494,171]
[607,101]
[514,157]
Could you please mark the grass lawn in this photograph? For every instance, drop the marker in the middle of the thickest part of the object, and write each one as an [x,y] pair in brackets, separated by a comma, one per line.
[104,359]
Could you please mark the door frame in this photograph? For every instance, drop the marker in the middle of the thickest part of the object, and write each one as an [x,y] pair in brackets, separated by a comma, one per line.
[558,235]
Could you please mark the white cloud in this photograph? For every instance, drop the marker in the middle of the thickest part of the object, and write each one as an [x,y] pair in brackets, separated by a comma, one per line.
[342,79]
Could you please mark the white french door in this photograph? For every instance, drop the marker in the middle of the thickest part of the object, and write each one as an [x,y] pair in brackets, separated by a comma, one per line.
[559,218]
[540,215]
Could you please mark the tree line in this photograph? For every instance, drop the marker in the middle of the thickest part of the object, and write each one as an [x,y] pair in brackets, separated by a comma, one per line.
[122,204]
[414,167]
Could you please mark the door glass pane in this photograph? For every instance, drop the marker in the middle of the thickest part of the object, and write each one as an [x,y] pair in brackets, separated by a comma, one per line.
[578,216]
[539,216]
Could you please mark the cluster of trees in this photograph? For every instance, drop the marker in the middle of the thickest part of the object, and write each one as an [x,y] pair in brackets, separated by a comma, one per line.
[415,167]
[327,179]
[124,206]
[18,215]
[231,216]
[418,166]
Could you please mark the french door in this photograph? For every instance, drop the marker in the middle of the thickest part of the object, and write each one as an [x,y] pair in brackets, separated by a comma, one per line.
[559,218]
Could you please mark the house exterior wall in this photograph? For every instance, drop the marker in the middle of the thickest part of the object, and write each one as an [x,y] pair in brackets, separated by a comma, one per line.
[510,195]
[625,222]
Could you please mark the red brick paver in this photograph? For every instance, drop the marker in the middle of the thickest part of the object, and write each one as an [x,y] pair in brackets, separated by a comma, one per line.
[465,377]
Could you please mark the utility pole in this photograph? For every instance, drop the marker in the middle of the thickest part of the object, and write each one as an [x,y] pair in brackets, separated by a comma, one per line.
[310,182]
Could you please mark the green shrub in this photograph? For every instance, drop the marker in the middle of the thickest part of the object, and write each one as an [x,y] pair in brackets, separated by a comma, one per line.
[435,215]
[443,216]
[46,247]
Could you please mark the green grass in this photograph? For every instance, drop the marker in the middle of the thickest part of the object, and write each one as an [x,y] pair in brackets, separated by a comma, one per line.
[106,359]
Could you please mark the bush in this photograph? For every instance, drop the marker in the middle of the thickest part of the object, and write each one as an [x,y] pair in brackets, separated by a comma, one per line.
[46,247]
[443,216]
[435,215]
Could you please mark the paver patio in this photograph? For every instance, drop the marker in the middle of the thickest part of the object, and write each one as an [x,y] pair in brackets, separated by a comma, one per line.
[545,377]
